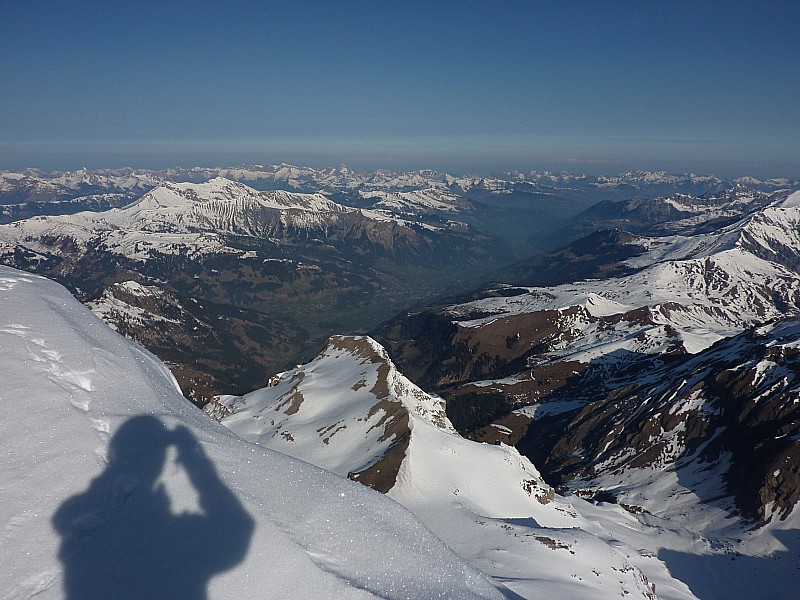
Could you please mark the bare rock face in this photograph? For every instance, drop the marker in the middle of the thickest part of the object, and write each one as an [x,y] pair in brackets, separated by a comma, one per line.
[732,411]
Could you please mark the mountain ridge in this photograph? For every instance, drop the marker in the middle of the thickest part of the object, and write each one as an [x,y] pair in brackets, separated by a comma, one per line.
[569,355]
[350,411]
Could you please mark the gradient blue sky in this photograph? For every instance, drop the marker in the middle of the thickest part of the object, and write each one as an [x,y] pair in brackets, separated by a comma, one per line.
[596,87]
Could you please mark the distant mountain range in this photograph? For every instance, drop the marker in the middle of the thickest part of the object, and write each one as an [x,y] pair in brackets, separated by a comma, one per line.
[523,206]
[528,211]
[34,185]
[247,281]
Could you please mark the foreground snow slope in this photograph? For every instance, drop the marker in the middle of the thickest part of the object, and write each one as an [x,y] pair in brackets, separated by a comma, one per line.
[88,420]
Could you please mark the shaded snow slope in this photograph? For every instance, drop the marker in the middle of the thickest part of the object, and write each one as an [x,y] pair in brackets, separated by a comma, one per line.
[90,418]
[350,411]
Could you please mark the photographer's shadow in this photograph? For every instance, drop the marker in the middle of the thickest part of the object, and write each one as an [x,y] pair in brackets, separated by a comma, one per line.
[119,538]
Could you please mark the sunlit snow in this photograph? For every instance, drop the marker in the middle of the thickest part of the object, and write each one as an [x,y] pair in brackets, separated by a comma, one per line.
[74,396]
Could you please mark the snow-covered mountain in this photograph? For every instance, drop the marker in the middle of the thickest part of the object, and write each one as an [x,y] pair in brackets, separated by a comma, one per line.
[725,421]
[38,186]
[351,412]
[673,214]
[683,294]
[652,183]
[668,389]
[542,367]
[665,440]
[686,292]
[115,486]
[420,202]
[276,271]
[359,410]
[176,217]
[524,213]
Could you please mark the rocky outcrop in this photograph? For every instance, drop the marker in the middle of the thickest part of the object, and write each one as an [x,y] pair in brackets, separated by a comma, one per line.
[732,411]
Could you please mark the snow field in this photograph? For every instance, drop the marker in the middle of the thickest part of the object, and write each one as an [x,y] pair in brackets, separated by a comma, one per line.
[71,384]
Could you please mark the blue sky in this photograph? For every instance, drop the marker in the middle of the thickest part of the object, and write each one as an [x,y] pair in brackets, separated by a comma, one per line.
[597,87]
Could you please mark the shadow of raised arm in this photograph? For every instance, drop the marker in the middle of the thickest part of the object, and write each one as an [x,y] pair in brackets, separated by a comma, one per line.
[224,519]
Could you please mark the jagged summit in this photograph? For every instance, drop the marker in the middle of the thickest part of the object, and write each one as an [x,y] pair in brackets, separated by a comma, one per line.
[350,411]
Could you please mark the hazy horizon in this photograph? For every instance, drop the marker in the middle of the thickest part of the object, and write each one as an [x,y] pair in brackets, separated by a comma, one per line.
[100,160]
[590,87]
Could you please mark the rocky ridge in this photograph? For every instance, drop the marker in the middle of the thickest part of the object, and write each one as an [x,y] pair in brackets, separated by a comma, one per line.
[350,411]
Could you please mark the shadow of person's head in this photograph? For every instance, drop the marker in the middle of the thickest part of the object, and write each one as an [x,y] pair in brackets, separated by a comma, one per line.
[140,446]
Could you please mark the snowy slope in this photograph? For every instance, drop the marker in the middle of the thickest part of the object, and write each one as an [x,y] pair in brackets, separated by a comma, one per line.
[702,449]
[429,200]
[113,310]
[359,407]
[351,411]
[89,419]
[174,217]
[690,293]
[196,218]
